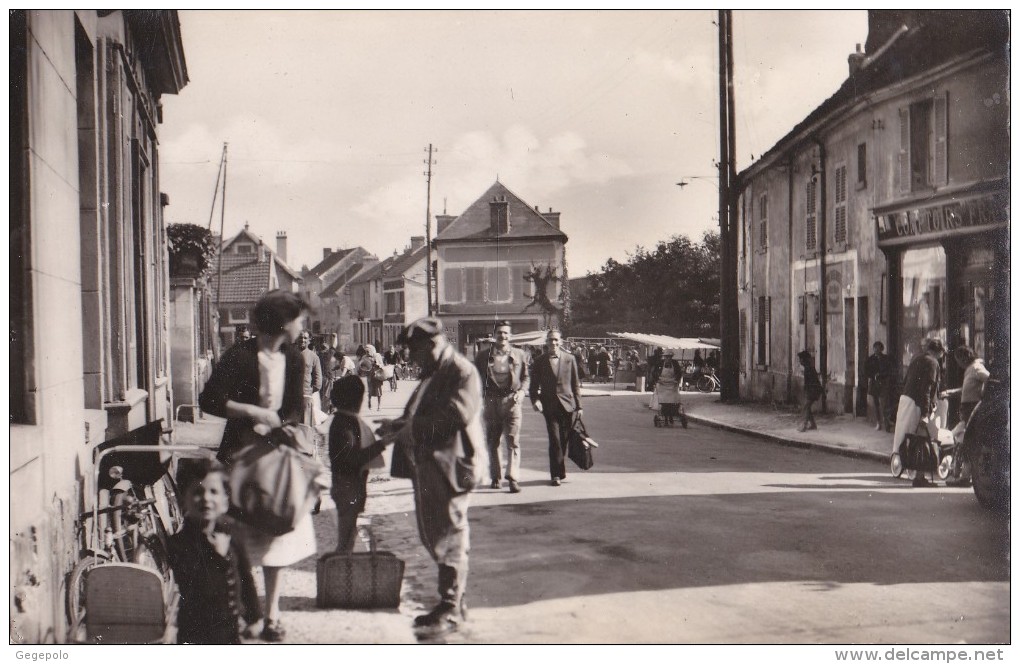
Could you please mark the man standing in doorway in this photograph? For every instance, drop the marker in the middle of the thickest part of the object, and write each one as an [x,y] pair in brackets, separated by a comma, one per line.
[556,393]
[878,370]
[504,371]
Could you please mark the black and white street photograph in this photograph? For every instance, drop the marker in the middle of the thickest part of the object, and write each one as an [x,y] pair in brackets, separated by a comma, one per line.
[692,328]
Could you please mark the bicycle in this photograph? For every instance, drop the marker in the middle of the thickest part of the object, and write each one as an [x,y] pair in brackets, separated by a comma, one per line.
[132,551]
[709,382]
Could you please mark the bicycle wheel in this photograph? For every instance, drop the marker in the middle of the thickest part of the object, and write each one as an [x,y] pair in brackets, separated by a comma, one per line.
[706,384]
[76,594]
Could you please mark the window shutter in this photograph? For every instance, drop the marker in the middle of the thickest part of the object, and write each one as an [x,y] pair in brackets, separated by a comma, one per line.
[904,155]
[840,227]
[941,175]
[810,238]
[452,285]
[768,331]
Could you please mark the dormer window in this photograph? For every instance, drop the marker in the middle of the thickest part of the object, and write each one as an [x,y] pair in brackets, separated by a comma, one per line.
[499,214]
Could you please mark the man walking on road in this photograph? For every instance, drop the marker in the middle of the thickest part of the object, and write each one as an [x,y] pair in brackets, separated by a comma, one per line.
[440,435]
[504,372]
[313,377]
[556,393]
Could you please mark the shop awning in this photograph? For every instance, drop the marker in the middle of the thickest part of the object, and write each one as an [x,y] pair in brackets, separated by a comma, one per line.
[666,342]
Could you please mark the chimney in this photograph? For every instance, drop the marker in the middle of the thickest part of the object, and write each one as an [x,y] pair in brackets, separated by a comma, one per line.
[326,251]
[499,216]
[855,60]
[553,218]
[442,221]
[417,242]
[262,252]
[281,245]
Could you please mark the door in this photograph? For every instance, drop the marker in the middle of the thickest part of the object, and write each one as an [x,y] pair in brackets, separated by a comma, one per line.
[863,346]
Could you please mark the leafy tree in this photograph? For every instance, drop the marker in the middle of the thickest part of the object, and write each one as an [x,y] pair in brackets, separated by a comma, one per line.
[671,289]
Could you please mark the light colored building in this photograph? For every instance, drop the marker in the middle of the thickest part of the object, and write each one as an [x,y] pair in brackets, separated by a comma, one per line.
[387,296]
[249,269]
[89,347]
[324,288]
[883,215]
[500,259]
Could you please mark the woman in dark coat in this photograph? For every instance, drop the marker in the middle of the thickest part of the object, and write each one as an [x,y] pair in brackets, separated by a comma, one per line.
[257,386]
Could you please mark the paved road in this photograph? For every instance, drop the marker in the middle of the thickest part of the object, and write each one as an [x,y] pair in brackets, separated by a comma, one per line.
[690,536]
[702,536]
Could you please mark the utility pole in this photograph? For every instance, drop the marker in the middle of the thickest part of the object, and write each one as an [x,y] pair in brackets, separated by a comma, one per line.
[428,232]
[223,212]
[729,323]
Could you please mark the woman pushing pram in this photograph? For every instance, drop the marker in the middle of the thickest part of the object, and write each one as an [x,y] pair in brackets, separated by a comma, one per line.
[667,393]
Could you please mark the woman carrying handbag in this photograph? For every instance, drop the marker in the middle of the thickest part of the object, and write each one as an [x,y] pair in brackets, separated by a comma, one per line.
[257,386]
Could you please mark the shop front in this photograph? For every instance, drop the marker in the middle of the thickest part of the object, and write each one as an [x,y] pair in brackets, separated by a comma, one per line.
[948,276]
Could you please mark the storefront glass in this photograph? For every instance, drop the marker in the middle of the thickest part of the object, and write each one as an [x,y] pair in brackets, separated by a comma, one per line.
[924,300]
[976,295]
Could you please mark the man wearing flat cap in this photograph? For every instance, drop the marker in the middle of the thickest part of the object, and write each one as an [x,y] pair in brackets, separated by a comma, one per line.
[504,371]
[441,435]
[556,393]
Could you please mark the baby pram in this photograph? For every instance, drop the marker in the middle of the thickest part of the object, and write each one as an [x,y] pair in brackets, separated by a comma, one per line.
[667,394]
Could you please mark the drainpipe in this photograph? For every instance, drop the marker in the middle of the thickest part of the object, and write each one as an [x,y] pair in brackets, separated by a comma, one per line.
[789,244]
[823,323]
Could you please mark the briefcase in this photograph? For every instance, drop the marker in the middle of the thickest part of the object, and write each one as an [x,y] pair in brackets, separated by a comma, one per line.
[367,580]
[580,445]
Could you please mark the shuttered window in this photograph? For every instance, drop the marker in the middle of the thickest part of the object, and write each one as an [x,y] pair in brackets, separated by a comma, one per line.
[763,320]
[810,223]
[763,221]
[474,284]
[453,290]
[498,284]
[840,232]
[941,130]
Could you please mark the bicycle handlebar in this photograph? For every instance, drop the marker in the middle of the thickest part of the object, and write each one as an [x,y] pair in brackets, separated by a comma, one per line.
[115,508]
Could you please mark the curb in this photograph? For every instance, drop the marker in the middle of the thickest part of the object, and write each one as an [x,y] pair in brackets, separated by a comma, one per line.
[856,453]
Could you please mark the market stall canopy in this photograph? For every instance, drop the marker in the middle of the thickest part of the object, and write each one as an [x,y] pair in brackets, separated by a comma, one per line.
[666,342]
[536,338]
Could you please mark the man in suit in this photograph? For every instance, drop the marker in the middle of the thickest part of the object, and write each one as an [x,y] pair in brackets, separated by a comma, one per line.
[440,433]
[504,371]
[556,393]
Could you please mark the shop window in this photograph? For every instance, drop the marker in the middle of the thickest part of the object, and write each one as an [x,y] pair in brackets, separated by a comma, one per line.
[839,232]
[923,144]
[811,221]
[924,300]
[763,222]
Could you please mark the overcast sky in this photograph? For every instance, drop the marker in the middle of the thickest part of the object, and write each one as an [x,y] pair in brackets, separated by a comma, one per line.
[595,114]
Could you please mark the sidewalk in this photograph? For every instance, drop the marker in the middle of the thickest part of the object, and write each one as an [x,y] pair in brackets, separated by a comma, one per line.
[840,434]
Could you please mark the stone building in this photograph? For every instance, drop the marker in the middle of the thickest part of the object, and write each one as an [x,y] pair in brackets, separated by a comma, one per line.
[325,288]
[883,215]
[89,347]
[500,259]
[387,296]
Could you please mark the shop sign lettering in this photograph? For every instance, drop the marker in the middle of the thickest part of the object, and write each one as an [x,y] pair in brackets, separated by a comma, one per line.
[940,219]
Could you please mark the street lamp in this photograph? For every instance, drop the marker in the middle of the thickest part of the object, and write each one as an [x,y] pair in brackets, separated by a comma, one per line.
[684,180]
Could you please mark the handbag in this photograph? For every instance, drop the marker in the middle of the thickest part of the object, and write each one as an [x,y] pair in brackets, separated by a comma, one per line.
[400,464]
[272,484]
[369,580]
[580,445]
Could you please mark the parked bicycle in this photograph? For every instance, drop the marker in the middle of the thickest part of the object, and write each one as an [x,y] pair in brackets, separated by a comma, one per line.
[709,381]
[124,572]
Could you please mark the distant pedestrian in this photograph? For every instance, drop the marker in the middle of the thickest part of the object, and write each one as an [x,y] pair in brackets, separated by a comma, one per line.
[352,448]
[556,393]
[812,389]
[329,365]
[345,365]
[505,380]
[975,376]
[370,367]
[211,567]
[312,379]
[878,371]
[919,397]
[440,433]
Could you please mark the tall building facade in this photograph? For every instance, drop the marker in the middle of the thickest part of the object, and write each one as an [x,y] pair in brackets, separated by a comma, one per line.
[500,259]
[883,215]
[89,285]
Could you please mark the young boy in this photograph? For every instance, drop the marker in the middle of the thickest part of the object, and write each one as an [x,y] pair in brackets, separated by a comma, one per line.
[211,568]
[352,450]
